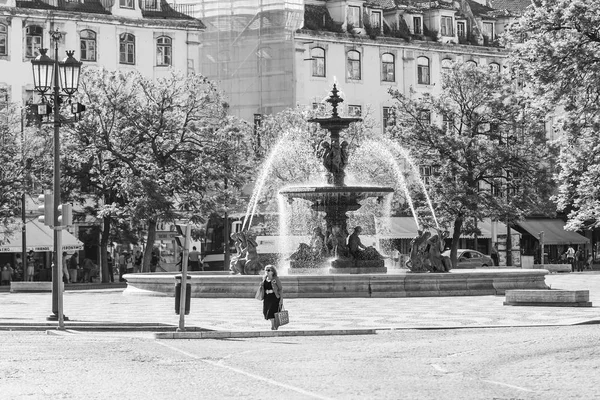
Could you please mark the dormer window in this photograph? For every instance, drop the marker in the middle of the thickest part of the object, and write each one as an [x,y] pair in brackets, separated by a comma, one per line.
[447,26]
[3,40]
[354,16]
[488,30]
[126,4]
[376,19]
[461,29]
[417,25]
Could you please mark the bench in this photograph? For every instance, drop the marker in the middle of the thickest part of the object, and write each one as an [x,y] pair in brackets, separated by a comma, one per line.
[30,287]
[548,298]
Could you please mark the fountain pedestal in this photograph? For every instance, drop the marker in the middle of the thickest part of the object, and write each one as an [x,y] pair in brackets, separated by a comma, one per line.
[353,266]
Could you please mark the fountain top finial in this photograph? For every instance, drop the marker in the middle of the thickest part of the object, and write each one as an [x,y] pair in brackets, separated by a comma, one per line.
[334,100]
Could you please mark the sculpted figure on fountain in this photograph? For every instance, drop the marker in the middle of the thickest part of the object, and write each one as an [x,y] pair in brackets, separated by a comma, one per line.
[246,262]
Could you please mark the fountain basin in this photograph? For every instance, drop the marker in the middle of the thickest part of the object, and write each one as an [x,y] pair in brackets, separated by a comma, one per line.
[474,282]
[327,196]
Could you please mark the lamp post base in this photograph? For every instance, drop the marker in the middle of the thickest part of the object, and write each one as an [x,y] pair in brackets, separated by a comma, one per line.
[54,317]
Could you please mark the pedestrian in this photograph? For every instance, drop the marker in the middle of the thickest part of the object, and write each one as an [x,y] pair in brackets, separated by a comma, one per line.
[396,257]
[137,261]
[65,267]
[6,275]
[571,257]
[122,266]
[30,269]
[73,267]
[154,259]
[194,259]
[270,292]
[110,264]
[90,270]
[580,259]
[494,255]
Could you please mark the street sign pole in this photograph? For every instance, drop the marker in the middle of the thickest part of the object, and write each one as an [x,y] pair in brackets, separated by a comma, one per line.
[184,266]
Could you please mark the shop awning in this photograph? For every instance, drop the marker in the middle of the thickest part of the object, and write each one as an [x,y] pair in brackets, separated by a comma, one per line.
[39,238]
[406,228]
[554,231]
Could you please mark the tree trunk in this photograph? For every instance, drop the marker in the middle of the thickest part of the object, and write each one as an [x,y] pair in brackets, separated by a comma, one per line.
[149,245]
[104,249]
[455,241]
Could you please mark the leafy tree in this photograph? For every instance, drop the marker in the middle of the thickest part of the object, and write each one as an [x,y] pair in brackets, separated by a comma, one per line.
[26,156]
[484,141]
[152,149]
[559,55]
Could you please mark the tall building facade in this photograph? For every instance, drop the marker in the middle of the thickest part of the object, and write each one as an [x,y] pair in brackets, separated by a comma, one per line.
[145,35]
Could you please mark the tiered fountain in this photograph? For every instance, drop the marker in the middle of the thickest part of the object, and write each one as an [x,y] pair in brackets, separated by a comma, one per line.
[336,199]
[348,276]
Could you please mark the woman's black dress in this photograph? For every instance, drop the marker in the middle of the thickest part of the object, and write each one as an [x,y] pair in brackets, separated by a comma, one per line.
[270,302]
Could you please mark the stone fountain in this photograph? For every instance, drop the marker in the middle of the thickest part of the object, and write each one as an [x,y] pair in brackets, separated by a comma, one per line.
[336,199]
[349,275]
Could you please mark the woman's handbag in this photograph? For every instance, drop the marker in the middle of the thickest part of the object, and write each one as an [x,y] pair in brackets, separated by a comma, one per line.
[282,317]
[260,293]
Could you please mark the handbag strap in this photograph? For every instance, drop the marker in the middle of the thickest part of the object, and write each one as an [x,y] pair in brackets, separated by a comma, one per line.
[281,305]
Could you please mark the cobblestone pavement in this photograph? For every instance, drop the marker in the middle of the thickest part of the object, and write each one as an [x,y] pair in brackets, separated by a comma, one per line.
[110,307]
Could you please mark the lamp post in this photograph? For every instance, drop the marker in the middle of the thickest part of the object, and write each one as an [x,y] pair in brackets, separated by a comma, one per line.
[50,73]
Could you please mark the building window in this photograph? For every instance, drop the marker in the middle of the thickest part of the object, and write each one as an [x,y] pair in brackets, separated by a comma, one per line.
[447,124]
[164,50]
[423,72]
[33,40]
[388,117]
[488,30]
[87,45]
[425,117]
[126,3]
[354,65]
[495,67]
[3,40]
[425,172]
[354,111]
[376,19]
[447,26]
[417,26]
[461,29]
[126,48]
[446,64]
[388,68]
[354,16]
[318,61]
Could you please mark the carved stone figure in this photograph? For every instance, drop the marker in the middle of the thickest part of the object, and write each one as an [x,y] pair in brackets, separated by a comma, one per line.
[337,242]
[317,244]
[435,245]
[246,262]
[418,261]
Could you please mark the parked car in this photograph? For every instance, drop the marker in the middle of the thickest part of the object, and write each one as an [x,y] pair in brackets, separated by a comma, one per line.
[468,258]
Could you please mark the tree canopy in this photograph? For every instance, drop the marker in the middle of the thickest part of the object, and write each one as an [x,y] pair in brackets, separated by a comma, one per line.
[483,141]
[557,48]
[153,150]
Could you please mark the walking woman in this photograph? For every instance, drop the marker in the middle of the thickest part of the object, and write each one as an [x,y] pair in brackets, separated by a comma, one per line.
[271,292]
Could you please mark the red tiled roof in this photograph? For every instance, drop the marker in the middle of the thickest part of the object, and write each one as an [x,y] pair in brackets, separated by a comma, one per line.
[514,7]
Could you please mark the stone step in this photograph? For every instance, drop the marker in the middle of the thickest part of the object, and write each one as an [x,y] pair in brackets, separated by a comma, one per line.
[549,298]
[30,287]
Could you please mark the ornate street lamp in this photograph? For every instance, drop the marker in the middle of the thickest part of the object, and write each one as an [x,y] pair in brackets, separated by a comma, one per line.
[49,73]
[43,72]
[69,73]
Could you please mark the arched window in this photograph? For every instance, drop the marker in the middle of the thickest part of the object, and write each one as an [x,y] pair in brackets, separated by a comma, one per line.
[33,40]
[471,63]
[447,64]
[495,67]
[388,68]
[164,51]
[87,45]
[318,61]
[423,71]
[353,65]
[3,40]
[126,48]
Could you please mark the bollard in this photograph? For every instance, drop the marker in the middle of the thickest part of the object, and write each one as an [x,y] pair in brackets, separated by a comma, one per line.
[188,296]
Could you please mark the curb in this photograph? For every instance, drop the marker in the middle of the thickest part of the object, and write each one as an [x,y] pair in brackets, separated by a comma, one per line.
[255,334]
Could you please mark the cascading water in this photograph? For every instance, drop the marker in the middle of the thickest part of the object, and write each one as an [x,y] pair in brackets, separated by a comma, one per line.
[405,154]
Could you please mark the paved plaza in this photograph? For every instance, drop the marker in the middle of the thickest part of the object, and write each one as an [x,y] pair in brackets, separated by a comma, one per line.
[109,308]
